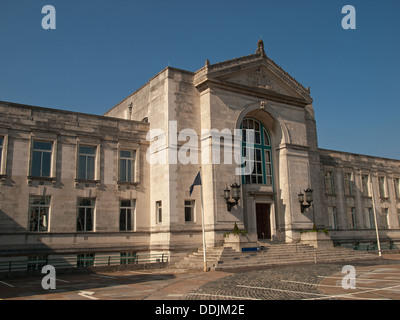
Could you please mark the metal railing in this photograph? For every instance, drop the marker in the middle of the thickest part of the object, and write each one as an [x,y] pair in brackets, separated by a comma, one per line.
[70,262]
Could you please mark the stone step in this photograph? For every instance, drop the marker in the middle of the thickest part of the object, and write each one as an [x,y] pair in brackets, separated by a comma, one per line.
[271,254]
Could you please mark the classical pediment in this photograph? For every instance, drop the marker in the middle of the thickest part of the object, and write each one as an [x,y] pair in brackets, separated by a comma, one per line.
[255,73]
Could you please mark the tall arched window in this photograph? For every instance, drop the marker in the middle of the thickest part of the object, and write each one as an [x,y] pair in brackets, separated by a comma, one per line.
[262,169]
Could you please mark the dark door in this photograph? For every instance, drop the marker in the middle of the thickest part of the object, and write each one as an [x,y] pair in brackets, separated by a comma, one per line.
[263,220]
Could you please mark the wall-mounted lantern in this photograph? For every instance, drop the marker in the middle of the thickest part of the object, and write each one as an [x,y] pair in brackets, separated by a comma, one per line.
[309,199]
[235,196]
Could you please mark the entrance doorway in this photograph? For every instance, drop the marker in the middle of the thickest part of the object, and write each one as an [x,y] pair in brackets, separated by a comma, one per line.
[263,212]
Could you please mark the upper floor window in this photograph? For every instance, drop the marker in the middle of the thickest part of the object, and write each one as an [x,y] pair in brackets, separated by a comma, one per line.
[349,189]
[365,185]
[87,160]
[382,187]
[127,166]
[260,159]
[1,151]
[329,186]
[41,159]
[396,182]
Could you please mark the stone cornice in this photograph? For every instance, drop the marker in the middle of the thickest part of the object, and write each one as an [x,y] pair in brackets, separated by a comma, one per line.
[260,93]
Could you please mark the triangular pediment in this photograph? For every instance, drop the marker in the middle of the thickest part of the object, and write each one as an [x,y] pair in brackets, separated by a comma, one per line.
[255,72]
[262,78]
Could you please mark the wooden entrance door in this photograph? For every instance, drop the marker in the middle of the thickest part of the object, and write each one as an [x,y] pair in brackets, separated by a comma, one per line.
[263,212]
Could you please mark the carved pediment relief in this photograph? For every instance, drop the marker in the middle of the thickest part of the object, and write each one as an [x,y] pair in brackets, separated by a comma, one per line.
[261,78]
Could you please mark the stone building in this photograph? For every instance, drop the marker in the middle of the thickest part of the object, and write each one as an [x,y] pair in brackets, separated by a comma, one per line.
[77,184]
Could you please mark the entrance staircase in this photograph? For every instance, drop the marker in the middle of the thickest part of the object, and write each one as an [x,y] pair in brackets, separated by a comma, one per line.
[225,258]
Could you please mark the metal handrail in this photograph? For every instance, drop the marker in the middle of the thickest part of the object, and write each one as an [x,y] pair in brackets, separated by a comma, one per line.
[32,265]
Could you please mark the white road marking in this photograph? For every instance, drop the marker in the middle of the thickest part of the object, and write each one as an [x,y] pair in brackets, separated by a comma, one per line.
[87,294]
[7,284]
[102,276]
[223,296]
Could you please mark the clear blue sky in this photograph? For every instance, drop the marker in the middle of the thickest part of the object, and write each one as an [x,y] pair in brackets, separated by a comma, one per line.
[103,50]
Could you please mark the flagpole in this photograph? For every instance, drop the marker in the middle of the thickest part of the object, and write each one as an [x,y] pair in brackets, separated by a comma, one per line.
[202,223]
[376,222]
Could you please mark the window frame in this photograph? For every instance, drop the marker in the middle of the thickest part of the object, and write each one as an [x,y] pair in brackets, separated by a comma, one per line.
[85,207]
[132,208]
[85,259]
[349,184]
[332,215]
[382,187]
[192,207]
[351,218]
[396,186]
[46,206]
[329,183]
[41,164]
[132,179]
[261,134]
[159,215]
[86,155]
[365,182]
[2,145]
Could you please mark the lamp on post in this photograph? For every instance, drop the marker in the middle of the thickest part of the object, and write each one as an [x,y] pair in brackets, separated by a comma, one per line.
[309,199]
[235,196]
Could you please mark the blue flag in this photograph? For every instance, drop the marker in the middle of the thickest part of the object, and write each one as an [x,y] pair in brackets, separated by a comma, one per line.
[196,182]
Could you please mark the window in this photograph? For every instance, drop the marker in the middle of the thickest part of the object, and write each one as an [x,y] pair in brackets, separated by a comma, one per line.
[398,216]
[128,257]
[261,164]
[86,167]
[370,218]
[85,214]
[365,185]
[382,189]
[351,217]
[189,210]
[39,213]
[396,182]
[384,218]
[85,260]
[1,151]
[158,211]
[126,166]
[332,218]
[126,211]
[329,186]
[41,159]
[36,263]
[348,184]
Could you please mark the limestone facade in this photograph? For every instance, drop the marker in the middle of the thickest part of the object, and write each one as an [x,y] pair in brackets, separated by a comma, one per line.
[174,111]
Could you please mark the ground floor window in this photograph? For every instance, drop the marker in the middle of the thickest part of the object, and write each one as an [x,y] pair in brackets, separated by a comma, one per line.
[351,217]
[39,213]
[158,211]
[128,257]
[189,210]
[36,263]
[126,215]
[332,218]
[370,218]
[85,260]
[85,214]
